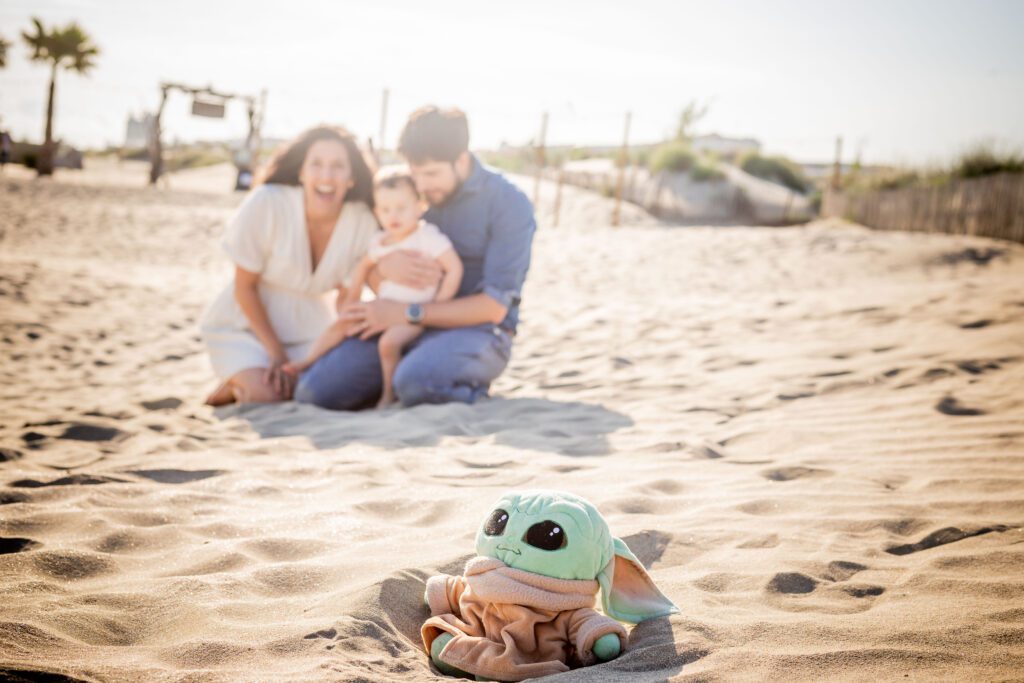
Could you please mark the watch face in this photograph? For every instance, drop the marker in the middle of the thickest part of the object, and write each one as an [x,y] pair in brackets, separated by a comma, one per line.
[414,313]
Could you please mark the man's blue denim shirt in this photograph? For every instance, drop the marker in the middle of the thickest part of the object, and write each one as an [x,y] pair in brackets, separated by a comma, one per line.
[490,222]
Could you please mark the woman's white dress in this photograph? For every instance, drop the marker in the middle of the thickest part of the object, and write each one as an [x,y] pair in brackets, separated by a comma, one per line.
[268,236]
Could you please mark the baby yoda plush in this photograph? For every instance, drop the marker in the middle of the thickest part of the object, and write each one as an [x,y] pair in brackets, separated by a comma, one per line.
[525,605]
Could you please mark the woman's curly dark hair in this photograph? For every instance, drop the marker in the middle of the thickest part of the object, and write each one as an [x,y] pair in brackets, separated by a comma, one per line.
[283,167]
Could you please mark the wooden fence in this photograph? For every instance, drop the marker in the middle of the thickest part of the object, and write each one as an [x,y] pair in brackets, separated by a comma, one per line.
[990,207]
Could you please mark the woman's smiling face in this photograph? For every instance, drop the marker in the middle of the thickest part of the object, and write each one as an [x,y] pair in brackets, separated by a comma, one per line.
[326,175]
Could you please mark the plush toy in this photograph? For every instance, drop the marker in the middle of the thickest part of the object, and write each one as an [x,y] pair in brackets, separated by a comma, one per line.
[525,605]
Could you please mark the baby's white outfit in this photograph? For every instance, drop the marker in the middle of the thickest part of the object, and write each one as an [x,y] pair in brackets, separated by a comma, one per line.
[427,239]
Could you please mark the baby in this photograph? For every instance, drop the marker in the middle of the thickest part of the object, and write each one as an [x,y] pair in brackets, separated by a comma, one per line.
[398,209]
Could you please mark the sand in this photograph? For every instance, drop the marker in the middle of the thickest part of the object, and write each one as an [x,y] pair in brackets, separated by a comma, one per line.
[813,436]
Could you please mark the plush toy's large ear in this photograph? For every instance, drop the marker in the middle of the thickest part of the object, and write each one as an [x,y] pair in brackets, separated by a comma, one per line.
[627,591]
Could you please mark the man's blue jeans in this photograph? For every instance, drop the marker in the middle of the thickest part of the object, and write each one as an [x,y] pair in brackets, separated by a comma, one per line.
[439,367]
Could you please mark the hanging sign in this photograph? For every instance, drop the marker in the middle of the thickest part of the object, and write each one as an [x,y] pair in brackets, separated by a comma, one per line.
[208,108]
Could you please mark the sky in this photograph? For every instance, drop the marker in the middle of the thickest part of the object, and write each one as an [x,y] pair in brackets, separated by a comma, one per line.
[902,81]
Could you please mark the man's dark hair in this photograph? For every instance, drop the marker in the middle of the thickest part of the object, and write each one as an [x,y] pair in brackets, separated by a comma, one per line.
[434,134]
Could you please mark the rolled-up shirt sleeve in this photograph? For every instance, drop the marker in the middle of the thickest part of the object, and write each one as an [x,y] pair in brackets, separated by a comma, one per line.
[507,257]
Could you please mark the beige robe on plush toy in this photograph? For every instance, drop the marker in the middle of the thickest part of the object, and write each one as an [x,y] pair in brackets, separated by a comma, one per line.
[509,625]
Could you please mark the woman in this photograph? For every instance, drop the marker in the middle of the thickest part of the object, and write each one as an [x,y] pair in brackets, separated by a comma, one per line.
[296,239]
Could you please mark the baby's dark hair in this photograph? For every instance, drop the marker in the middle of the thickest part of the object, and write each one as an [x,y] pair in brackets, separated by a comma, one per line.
[391,178]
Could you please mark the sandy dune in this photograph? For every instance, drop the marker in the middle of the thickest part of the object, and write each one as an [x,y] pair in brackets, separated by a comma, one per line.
[814,437]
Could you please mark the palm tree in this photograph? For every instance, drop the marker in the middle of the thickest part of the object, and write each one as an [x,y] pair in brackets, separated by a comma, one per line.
[69,47]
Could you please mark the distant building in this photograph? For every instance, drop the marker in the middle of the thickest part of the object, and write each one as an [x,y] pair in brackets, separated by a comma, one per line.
[138,131]
[722,145]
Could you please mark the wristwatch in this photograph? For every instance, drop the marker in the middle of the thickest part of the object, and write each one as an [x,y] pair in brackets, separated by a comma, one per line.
[414,314]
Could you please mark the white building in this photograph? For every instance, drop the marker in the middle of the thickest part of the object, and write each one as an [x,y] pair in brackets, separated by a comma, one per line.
[138,131]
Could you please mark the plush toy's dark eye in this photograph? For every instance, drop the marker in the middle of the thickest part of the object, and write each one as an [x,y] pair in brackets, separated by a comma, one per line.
[495,525]
[546,535]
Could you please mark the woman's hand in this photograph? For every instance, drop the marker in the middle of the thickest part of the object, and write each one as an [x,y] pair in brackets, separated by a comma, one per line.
[410,268]
[279,379]
[373,317]
[339,302]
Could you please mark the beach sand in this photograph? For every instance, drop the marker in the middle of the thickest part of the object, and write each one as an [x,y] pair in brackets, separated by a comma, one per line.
[813,436]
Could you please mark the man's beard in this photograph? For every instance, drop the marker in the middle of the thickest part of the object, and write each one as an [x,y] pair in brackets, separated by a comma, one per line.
[448,195]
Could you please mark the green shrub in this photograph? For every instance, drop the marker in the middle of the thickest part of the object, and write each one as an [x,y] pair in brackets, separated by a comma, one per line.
[672,156]
[814,201]
[777,170]
[706,170]
[894,180]
[983,161]
[134,153]
[640,157]
[511,161]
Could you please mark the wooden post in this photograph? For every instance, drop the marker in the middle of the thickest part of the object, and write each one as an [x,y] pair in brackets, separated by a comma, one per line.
[623,159]
[156,149]
[837,172]
[259,129]
[830,198]
[383,121]
[540,157]
[558,192]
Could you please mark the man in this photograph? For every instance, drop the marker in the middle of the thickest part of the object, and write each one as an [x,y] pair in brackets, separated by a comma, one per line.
[468,340]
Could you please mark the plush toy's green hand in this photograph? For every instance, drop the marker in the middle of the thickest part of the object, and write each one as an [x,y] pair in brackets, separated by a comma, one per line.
[606,647]
[435,656]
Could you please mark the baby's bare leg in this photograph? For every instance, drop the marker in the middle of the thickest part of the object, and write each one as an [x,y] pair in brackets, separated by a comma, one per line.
[390,348]
[331,337]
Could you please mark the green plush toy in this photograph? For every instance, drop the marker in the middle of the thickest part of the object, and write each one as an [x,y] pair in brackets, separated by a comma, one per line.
[524,606]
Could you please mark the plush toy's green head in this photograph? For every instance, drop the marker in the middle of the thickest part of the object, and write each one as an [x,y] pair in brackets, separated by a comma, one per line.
[563,536]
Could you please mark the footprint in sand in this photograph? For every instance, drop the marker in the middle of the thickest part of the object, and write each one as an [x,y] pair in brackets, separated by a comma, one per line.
[791,583]
[175,476]
[863,591]
[979,257]
[71,480]
[950,406]
[791,473]
[10,497]
[328,633]
[977,367]
[793,396]
[32,437]
[169,403]
[949,534]
[9,454]
[841,570]
[90,432]
[16,545]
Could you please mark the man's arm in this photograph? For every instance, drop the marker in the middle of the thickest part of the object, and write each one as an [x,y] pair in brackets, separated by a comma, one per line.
[373,317]
[474,309]
[505,264]
[507,257]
